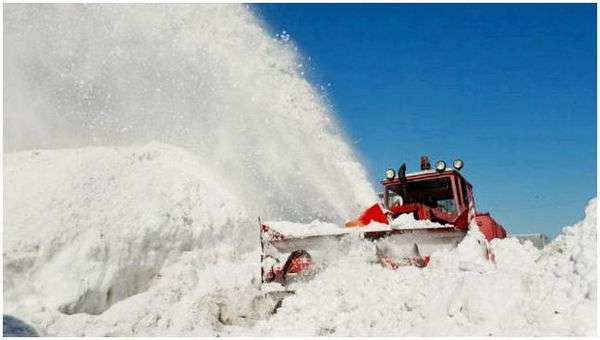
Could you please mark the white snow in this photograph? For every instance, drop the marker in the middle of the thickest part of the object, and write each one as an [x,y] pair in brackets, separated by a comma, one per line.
[142,241]
[109,232]
[320,228]
[86,228]
[407,221]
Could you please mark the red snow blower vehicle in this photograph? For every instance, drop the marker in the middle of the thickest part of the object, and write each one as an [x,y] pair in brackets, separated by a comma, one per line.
[419,213]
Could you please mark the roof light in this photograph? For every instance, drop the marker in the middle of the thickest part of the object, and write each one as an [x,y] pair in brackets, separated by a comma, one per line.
[390,174]
[458,164]
[440,165]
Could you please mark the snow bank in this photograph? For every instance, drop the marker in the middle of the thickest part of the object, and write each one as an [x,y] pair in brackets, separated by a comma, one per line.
[86,228]
[126,241]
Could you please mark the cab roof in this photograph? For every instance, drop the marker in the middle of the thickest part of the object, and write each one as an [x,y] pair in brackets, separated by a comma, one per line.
[423,174]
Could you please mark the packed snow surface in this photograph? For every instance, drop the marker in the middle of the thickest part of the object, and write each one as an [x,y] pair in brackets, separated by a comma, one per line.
[142,143]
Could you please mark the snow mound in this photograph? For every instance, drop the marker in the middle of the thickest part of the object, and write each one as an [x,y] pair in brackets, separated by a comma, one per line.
[126,241]
[86,228]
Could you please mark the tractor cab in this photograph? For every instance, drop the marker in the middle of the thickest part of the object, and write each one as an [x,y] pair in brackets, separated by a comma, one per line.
[441,195]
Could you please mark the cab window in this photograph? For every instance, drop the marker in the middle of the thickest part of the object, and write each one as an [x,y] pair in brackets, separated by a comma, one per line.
[435,193]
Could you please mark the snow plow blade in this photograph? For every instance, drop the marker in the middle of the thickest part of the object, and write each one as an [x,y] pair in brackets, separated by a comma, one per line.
[294,251]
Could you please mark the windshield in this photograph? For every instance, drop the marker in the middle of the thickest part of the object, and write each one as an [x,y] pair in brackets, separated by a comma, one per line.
[435,193]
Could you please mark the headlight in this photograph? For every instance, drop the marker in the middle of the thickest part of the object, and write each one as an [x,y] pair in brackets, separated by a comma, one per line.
[440,165]
[458,164]
[390,174]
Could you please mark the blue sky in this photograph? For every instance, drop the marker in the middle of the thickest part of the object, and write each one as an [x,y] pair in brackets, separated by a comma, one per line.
[510,89]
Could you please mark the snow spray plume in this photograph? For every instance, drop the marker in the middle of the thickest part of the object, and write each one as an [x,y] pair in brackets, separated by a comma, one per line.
[207,78]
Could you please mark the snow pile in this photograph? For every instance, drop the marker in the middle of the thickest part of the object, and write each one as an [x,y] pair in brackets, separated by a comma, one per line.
[199,295]
[570,268]
[126,241]
[527,292]
[86,228]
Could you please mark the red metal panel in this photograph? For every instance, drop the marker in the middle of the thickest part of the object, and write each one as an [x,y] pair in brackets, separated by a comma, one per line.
[373,213]
[489,227]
